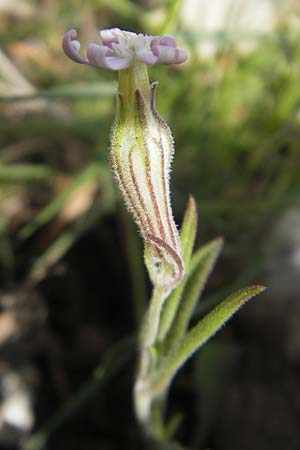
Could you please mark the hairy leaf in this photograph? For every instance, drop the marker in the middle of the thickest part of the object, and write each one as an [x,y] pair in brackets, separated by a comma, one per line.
[198,336]
[187,237]
[201,265]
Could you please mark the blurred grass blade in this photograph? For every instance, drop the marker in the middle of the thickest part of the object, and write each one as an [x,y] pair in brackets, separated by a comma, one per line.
[25,172]
[187,237]
[173,425]
[67,238]
[172,17]
[124,8]
[7,257]
[202,263]
[68,91]
[13,78]
[199,335]
[53,254]
[54,207]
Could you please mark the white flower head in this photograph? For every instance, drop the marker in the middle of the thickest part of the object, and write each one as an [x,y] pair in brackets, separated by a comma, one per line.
[120,49]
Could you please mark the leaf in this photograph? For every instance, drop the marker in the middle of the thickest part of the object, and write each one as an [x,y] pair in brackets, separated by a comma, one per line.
[198,336]
[188,231]
[202,263]
[187,237]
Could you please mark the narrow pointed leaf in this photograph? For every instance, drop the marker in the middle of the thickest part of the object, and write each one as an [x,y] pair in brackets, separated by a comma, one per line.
[202,263]
[187,237]
[198,336]
[188,231]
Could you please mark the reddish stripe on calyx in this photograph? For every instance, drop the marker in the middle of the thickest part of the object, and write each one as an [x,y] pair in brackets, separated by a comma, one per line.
[126,193]
[138,193]
[143,121]
[160,243]
[165,194]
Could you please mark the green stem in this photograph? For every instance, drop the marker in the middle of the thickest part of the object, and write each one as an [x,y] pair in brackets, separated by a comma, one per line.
[142,400]
[129,81]
[151,322]
[157,422]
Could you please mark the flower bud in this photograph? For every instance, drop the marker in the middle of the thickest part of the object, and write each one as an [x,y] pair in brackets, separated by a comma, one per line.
[141,153]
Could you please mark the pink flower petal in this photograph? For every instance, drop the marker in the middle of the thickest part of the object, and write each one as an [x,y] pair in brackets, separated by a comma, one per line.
[147,58]
[108,36]
[71,47]
[115,63]
[164,40]
[169,55]
[165,54]
[180,56]
[97,56]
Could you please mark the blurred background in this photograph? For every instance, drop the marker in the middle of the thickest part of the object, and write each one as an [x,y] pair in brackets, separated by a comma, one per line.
[73,286]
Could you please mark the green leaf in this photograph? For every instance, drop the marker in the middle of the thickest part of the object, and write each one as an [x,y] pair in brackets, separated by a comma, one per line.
[198,336]
[188,231]
[187,237]
[201,265]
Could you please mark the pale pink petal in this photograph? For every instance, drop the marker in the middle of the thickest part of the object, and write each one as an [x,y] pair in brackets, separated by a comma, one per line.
[180,56]
[147,58]
[164,40]
[71,47]
[165,54]
[169,55]
[116,63]
[97,56]
[109,36]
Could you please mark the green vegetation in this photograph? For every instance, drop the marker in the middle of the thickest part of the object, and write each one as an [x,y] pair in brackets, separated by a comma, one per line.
[236,122]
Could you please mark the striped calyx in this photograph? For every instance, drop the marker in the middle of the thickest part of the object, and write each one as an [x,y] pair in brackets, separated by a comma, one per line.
[141,153]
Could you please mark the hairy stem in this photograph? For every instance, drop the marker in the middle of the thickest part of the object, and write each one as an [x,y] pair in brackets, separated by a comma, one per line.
[151,322]
[148,339]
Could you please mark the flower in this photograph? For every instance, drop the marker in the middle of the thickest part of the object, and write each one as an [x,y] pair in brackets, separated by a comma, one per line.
[141,144]
[121,49]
